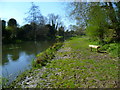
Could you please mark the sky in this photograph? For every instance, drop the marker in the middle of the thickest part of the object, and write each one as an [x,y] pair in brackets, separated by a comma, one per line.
[17,10]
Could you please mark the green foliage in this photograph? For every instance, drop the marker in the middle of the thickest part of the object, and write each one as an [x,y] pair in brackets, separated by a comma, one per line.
[3,82]
[18,41]
[37,29]
[3,24]
[12,22]
[61,31]
[97,23]
[77,67]
[27,32]
[9,34]
[0,82]
[109,35]
[82,70]
[46,56]
[112,48]
[13,31]
[94,42]
[101,20]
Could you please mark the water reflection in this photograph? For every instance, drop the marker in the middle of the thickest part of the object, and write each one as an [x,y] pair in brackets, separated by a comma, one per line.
[17,57]
[9,58]
[28,47]
[13,68]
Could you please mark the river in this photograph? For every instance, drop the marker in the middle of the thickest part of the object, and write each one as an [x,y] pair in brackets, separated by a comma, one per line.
[17,58]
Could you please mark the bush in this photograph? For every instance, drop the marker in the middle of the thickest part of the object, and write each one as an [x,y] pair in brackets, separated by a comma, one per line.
[111,48]
[105,47]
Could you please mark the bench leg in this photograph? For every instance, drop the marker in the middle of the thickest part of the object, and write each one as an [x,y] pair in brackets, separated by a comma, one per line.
[97,50]
[91,49]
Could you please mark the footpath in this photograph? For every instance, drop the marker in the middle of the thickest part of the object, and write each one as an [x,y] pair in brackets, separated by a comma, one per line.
[74,66]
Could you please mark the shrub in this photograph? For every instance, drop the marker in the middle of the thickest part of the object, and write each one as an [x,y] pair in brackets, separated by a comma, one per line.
[105,47]
[111,48]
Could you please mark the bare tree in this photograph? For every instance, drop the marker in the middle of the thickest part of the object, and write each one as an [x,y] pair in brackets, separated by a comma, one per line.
[34,15]
[54,20]
[35,18]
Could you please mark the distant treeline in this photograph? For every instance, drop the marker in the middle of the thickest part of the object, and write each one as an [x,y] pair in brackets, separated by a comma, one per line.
[13,33]
[38,27]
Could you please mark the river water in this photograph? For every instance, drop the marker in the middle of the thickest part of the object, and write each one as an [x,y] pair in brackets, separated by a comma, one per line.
[17,58]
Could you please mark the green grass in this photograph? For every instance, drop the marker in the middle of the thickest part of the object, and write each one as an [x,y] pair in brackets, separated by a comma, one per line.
[44,57]
[3,81]
[84,68]
[75,66]
[111,48]
[41,60]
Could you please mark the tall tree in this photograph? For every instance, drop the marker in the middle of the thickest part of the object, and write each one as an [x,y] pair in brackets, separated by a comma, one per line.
[3,24]
[98,17]
[79,11]
[52,31]
[12,27]
[12,22]
[113,9]
[5,33]
[34,18]
[97,24]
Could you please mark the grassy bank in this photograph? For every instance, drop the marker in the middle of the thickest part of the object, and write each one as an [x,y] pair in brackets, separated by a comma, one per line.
[44,57]
[72,66]
[41,60]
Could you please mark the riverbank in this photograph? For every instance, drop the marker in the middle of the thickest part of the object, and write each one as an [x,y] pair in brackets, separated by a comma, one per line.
[73,66]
